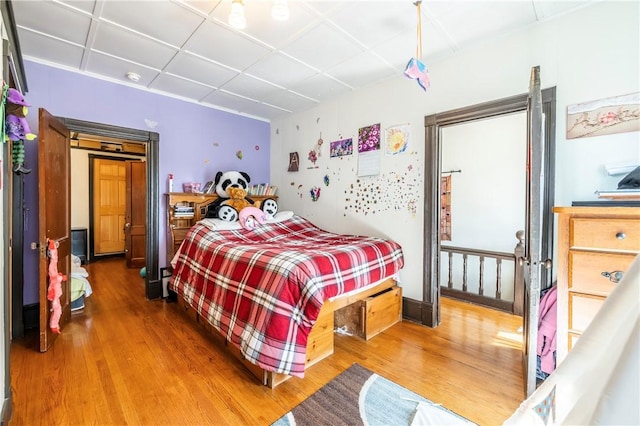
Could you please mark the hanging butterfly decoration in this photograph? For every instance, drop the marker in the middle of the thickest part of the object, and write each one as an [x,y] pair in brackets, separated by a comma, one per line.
[415,68]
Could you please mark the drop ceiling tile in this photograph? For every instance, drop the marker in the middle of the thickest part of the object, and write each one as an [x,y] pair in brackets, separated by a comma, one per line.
[373,22]
[280,69]
[361,70]
[222,45]
[131,46]
[262,110]
[226,100]
[262,26]
[116,68]
[195,68]
[202,6]
[474,20]
[40,48]
[76,24]
[180,21]
[250,87]
[180,87]
[398,50]
[289,101]
[87,6]
[336,47]
[319,87]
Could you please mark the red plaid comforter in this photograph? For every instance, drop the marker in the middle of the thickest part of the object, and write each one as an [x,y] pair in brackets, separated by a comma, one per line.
[263,289]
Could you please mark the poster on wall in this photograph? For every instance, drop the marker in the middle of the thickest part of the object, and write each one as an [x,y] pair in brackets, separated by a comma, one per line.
[341,147]
[618,114]
[293,162]
[369,150]
[396,139]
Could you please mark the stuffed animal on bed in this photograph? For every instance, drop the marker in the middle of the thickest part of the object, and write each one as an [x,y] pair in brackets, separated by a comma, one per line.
[231,187]
[251,217]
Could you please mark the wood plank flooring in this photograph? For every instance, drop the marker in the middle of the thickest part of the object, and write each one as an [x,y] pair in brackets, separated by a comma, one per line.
[127,360]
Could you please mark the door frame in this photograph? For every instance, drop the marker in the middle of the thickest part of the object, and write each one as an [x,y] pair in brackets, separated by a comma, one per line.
[153,284]
[429,309]
[92,225]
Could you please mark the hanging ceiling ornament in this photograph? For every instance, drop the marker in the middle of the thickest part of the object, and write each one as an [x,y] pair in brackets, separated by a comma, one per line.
[416,69]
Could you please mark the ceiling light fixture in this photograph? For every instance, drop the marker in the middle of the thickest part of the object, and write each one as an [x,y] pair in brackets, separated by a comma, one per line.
[133,76]
[236,17]
[280,10]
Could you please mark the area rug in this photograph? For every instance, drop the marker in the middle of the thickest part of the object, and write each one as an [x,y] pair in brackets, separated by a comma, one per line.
[358,396]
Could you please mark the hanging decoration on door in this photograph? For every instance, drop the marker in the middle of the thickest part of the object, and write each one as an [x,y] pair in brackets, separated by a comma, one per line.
[54,291]
[16,128]
[415,68]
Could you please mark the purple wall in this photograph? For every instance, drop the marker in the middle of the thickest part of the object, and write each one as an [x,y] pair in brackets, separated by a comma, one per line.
[195,142]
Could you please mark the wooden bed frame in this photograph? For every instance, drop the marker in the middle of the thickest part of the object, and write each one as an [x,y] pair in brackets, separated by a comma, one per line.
[370,311]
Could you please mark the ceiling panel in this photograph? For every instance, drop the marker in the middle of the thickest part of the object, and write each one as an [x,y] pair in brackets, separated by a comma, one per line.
[223,45]
[362,70]
[40,47]
[132,46]
[180,87]
[250,87]
[323,47]
[280,69]
[186,48]
[76,23]
[199,69]
[320,87]
[127,14]
[117,69]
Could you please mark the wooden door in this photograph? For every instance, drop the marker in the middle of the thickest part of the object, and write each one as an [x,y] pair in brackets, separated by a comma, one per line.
[533,259]
[109,206]
[135,227]
[54,197]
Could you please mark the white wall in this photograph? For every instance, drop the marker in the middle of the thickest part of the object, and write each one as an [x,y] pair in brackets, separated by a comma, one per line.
[590,54]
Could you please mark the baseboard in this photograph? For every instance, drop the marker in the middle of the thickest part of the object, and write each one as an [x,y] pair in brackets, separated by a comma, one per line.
[6,410]
[418,311]
[31,316]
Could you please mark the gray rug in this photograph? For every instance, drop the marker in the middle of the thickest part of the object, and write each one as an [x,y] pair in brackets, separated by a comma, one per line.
[358,396]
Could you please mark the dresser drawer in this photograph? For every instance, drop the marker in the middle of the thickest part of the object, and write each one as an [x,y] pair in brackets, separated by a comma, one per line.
[610,234]
[586,268]
[582,309]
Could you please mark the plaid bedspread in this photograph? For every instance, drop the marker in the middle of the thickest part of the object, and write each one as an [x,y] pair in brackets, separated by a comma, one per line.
[263,289]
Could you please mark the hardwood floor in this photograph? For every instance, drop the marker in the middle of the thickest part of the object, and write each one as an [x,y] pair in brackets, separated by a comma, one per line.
[127,360]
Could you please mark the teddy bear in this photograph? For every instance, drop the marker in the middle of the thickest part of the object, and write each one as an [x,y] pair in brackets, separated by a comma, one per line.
[231,188]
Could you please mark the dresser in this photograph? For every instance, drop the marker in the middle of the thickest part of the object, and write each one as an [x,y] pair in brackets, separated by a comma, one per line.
[596,245]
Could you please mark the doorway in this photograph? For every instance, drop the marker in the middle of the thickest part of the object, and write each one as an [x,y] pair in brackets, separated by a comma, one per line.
[430,305]
[150,141]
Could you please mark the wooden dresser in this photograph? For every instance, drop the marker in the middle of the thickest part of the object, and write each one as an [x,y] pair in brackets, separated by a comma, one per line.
[596,245]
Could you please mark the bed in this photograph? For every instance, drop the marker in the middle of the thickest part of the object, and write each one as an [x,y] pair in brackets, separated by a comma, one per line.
[270,293]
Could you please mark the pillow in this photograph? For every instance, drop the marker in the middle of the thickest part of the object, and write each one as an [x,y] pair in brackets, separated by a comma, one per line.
[281,216]
[220,225]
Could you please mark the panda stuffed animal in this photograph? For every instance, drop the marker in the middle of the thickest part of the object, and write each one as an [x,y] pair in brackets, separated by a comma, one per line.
[221,208]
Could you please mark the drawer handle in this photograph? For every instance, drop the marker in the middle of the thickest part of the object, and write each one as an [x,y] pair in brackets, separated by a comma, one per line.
[621,235]
[614,276]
